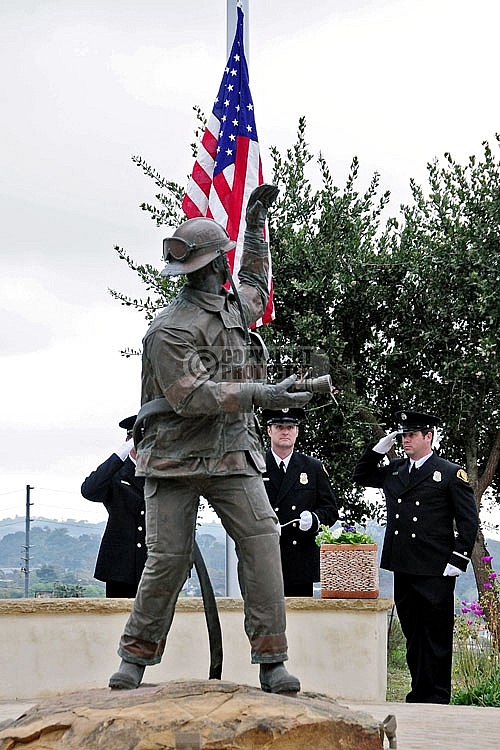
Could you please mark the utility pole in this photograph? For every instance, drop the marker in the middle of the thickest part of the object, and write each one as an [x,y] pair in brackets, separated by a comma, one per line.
[26,568]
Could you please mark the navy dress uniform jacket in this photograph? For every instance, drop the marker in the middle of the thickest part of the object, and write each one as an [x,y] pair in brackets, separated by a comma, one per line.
[306,486]
[432,517]
[122,553]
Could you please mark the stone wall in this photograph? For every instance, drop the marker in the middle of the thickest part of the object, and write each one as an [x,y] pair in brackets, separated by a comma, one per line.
[47,646]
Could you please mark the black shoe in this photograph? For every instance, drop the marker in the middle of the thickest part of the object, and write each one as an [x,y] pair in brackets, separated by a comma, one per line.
[274,678]
[128,677]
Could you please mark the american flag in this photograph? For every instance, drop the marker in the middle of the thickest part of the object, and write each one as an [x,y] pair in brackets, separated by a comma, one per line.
[228,165]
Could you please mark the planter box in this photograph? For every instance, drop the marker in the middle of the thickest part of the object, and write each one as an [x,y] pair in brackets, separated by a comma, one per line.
[349,571]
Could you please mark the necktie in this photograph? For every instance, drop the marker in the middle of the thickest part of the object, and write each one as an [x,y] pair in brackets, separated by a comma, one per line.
[282,471]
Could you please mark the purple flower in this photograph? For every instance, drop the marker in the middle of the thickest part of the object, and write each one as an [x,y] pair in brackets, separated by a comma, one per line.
[487,585]
[350,528]
[487,558]
[465,610]
[492,575]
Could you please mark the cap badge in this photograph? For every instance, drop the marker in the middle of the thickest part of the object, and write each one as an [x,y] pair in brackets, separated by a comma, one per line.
[437,476]
[403,416]
[303,478]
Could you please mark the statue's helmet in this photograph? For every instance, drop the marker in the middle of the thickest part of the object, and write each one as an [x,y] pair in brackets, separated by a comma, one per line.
[193,245]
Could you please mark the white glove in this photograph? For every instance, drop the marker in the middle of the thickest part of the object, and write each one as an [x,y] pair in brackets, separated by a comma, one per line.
[125,449]
[278,527]
[451,570]
[385,444]
[306,520]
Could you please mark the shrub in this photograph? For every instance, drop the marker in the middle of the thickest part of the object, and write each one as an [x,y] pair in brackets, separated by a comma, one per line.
[476,658]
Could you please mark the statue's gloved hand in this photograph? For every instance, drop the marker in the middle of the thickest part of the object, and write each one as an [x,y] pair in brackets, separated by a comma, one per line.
[260,199]
[386,443]
[124,449]
[278,397]
[306,520]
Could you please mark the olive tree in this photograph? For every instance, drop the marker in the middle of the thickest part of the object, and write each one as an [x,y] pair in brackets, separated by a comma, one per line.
[402,312]
[442,339]
[407,311]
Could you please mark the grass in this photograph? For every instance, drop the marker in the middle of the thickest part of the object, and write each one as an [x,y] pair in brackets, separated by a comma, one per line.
[475,676]
[398,676]
[398,685]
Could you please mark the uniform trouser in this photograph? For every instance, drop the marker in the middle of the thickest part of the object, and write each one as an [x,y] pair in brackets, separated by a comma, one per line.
[425,606]
[299,589]
[171,509]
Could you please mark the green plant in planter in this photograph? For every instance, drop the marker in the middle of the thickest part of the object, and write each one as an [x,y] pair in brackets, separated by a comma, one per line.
[342,535]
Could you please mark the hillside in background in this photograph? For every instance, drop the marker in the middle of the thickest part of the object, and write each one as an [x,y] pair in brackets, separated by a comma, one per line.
[63,554]
[66,552]
[73,526]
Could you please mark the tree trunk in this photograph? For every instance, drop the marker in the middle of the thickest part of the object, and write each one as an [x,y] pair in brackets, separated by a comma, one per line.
[487,597]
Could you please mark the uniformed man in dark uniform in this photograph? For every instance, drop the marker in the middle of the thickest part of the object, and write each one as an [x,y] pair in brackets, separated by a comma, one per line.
[122,552]
[302,497]
[432,523]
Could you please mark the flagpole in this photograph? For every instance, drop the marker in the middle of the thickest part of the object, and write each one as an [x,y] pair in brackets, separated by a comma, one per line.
[226,170]
[231,19]
[232,584]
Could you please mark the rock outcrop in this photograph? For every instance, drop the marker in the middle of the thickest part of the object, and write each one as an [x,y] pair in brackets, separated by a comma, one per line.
[189,715]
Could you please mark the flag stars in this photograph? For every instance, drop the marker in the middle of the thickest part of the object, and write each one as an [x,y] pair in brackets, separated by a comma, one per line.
[233,110]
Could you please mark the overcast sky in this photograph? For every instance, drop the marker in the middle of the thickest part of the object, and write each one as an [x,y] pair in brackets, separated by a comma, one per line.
[86,85]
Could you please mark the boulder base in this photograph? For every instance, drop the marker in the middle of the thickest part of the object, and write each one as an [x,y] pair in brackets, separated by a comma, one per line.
[189,715]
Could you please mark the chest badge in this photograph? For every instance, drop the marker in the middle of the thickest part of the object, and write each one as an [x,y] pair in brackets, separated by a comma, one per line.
[437,476]
[303,478]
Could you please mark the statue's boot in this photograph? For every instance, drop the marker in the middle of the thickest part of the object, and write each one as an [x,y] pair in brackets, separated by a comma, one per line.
[128,677]
[274,678]
[390,725]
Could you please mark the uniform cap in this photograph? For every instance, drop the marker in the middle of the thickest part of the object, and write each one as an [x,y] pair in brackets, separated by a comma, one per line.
[283,416]
[412,421]
[128,422]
